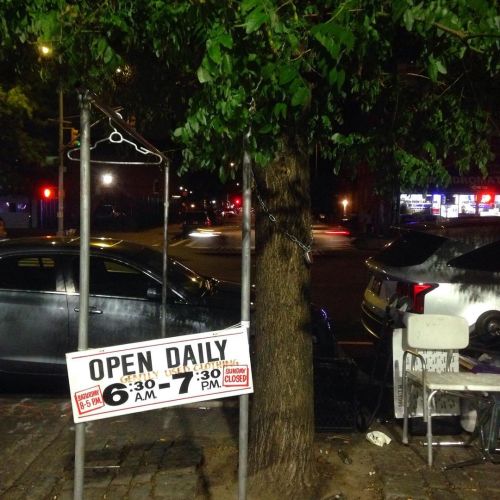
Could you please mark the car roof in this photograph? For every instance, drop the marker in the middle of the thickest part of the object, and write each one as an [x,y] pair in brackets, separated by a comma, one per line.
[466,228]
[54,244]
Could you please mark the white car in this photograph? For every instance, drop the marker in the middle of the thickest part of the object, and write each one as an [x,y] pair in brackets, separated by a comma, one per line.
[438,268]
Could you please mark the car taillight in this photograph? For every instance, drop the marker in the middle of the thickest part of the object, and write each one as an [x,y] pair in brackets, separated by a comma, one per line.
[416,294]
[342,232]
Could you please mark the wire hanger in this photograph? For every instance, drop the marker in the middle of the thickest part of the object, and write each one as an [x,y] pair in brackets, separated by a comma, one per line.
[116,137]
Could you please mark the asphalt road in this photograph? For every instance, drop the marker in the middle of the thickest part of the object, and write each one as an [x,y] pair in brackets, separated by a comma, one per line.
[338,279]
[338,273]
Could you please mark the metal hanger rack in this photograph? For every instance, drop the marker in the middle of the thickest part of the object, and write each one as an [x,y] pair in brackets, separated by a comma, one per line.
[116,137]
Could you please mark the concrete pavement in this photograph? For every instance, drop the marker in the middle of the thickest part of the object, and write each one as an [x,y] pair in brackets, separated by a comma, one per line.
[191,453]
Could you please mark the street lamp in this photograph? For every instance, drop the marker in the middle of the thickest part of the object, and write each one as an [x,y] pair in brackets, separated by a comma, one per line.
[344,204]
[107,179]
[60,199]
[45,50]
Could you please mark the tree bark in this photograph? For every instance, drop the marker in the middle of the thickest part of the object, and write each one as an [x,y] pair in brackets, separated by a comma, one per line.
[282,414]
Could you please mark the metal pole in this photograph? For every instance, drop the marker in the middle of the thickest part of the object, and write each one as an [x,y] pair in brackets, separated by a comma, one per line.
[245,313]
[60,187]
[165,255]
[84,275]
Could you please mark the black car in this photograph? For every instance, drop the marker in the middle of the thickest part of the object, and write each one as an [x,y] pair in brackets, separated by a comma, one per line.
[39,300]
[193,220]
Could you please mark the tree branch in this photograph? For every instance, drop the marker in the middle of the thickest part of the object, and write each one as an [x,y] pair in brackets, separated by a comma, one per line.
[464,35]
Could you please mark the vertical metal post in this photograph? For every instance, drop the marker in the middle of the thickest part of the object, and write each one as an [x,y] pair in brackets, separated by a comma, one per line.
[245,313]
[165,254]
[60,186]
[84,275]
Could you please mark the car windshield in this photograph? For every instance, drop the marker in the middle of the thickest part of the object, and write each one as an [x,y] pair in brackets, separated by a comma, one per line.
[180,278]
[410,249]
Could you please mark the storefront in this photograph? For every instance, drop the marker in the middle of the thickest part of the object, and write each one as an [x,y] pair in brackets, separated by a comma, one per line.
[466,196]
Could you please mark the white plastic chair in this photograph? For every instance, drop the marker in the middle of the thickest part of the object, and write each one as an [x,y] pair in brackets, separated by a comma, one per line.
[437,332]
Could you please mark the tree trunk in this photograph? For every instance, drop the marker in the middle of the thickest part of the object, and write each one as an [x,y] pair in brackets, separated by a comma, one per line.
[282,414]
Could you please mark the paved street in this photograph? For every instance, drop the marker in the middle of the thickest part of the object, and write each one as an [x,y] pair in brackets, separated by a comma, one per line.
[338,272]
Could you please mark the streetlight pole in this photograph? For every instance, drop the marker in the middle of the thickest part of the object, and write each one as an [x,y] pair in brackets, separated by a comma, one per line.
[60,187]
[46,51]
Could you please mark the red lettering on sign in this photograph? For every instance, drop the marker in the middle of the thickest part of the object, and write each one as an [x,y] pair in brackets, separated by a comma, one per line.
[235,376]
[89,400]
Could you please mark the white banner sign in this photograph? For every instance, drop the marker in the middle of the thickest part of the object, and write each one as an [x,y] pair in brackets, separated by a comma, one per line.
[158,373]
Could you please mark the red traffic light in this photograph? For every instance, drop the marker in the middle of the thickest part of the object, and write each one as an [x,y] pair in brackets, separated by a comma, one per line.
[48,193]
[237,201]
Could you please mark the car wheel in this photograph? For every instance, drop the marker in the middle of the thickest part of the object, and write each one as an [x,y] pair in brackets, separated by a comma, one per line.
[487,327]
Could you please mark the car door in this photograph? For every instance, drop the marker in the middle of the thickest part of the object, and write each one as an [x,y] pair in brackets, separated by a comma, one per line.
[33,314]
[124,305]
[119,309]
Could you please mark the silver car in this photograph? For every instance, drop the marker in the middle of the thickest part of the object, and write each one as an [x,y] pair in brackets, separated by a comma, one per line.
[39,301]
[438,268]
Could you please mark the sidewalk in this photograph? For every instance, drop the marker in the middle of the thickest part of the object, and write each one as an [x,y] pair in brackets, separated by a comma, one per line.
[191,453]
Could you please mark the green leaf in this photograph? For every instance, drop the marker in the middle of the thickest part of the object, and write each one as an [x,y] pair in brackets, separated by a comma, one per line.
[178,132]
[301,96]
[329,44]
[408,19]
[193,124]
[441,68]
[333,36]
[266,129]
[226,40]
[332,76]
[432,69]
[326,122]
[108,54]
[431,149]
[280,108]
[203,75]
[255,20]
[227,64]
[287,74]
[247,5]
[101,46]
[214,52]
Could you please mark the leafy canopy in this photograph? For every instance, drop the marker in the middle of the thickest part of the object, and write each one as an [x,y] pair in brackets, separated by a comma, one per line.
[404,86]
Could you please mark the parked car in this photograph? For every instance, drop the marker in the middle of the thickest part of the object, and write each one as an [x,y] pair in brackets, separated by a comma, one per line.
[39,301]
[193,220]
[438,268]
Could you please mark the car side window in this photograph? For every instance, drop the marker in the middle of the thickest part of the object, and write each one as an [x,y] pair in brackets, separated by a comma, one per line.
[34,273]
[485,258]
[108,277]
